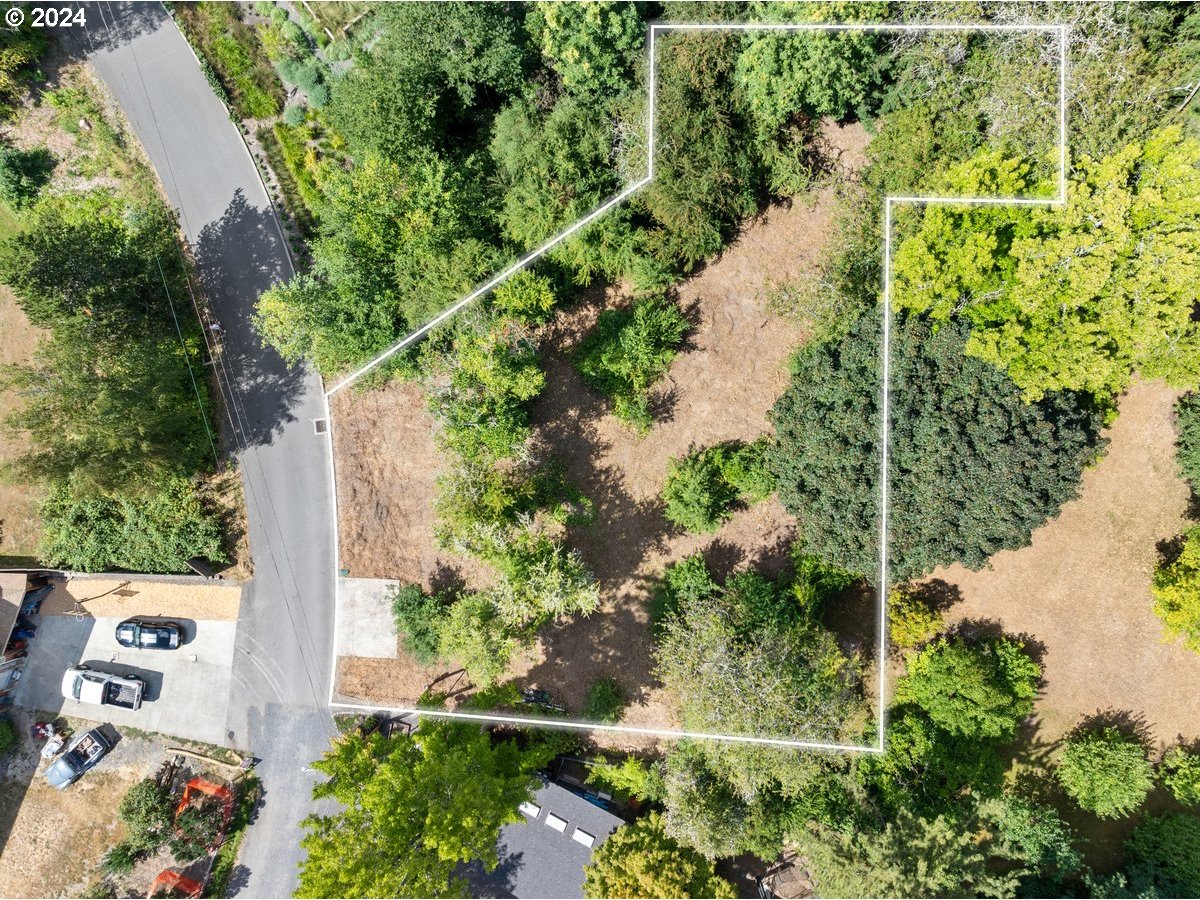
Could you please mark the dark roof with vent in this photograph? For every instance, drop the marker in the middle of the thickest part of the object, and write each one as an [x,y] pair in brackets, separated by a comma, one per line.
[538,861]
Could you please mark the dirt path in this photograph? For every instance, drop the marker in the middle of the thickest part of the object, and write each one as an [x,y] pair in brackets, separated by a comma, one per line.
[1082,589]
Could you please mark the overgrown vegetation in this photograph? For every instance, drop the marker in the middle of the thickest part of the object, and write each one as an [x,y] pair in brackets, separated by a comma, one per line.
[642,860]
[120,432]
[1177,591]
[232,49]
[470,134]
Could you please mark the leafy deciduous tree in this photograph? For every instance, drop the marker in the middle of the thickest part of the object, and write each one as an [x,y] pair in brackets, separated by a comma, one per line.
[1105,772]
[413,807]
[642,860]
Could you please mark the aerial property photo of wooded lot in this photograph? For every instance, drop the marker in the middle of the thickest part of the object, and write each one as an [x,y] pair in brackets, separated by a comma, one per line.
[713,449]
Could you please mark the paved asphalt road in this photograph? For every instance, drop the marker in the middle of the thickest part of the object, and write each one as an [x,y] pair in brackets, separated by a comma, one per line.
[280,686]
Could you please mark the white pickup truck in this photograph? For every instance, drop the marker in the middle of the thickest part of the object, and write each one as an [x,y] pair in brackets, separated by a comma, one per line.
[86,685]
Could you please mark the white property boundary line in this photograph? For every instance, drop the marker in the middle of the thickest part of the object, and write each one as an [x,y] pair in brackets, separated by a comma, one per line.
[529,258]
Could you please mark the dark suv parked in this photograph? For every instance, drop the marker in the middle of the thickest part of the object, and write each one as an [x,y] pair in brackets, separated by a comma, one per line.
[144,634]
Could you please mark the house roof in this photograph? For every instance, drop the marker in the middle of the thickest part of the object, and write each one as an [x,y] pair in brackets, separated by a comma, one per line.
[542,856]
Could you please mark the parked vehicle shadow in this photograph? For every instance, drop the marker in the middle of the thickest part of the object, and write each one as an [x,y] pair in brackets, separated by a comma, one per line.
[238,257]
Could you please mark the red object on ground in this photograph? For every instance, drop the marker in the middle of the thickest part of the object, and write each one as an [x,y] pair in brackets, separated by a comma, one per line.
[204,786]
[169,883]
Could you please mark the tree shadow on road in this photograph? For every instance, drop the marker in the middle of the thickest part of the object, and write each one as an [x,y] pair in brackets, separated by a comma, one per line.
[238,257]
[111,25]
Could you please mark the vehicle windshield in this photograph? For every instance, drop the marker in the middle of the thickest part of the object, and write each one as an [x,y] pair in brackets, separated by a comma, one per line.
[77,686]
[73,760]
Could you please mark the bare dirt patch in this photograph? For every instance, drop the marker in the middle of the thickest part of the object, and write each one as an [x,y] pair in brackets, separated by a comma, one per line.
[720,387]
[191,598]
[53,840]
[1081,590]
[387,464]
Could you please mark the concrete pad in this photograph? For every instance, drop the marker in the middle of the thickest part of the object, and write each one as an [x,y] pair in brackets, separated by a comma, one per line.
[365,626]
[187,690]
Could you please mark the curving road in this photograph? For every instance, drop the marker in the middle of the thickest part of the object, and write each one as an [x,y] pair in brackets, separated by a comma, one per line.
[278,709]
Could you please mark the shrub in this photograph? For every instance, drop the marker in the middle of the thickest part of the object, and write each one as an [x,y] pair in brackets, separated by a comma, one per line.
[8,735]
[701,487]
[1036,835]
[697,498]
[911,618]
[472,635]
[1187,444]
[605,701]
[417,615]
[294,115]
[976,691]
[1105,772]
[197,829]
[23,173]
[1180,773]
[525,296]
[120,858]
[815,581]
[682,582]
[642,860]
[629,350]
[146,810]
[630,776]
[744,468]
[1163,856]
[1177,592]
[156,533]
[543,579]
[234,51]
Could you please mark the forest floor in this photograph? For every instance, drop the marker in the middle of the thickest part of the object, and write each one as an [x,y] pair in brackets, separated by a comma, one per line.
[720,387]
[1080,593]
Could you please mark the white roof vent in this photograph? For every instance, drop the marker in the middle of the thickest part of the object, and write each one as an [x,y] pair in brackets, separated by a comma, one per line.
[559,825]
[531,809]
[582,837]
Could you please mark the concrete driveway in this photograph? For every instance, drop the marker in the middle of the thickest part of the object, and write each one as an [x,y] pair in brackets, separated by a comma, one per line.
[187,690]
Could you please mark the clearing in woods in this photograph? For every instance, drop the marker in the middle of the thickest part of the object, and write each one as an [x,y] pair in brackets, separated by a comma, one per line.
[720,387]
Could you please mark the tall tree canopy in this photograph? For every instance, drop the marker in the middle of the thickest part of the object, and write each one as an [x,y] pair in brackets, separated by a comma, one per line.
[982,690]
[909,857]
[642,860]
[973,468]
[414,808]
[430,76]
[592,46]
[1076,298]
[396,247]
